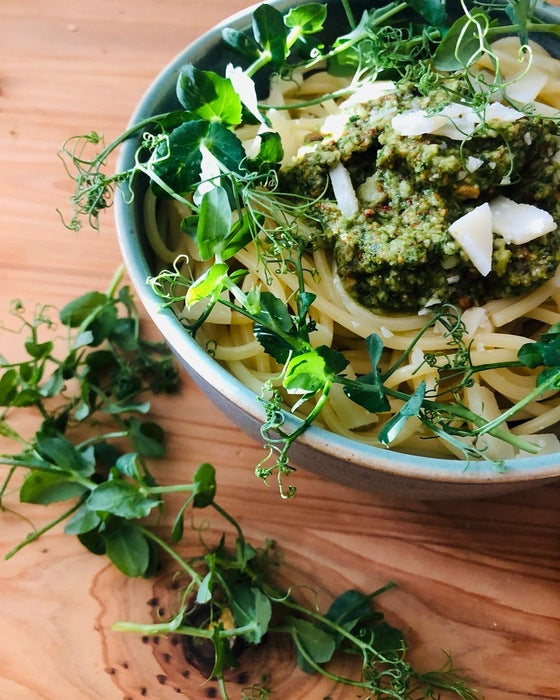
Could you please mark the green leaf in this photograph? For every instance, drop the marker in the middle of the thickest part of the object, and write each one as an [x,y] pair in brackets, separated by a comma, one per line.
[81,411]
[271,33]
[84,520]
[48,487]
[204,481]
[226,146]
[374,346]
[315,643]
[273,321]
[128,549]
[66,456]
[106,454]
[545,352]
[349,608]
[368,390]
[240,235]
[38,350]
[410,409]
[27,371]
[275,345]
[306,373]
[548,374]
[241,43]
[127,465]
[26,397]
[530,355]
[54,384]
[125,333]
[78,310]
[147,438]
[433,11]
[8,387]
[389,640]
[309,18]
[274,313]
[204,593]
[101,360]
[461,45]
[214,222]
[179,159]
[93,541]
[335,362]
[83,340]
[245,551]
[208,96]
[101,326]
[210,284]
[121,498]
[270,152]
[250,606]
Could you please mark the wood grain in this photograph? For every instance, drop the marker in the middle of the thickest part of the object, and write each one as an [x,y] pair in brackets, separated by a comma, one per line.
[479,579]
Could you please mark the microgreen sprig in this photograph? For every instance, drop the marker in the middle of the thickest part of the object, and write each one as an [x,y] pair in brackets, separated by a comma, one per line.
[229,594]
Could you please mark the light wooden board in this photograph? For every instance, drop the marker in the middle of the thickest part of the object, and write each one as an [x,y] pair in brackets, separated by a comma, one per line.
[479,579]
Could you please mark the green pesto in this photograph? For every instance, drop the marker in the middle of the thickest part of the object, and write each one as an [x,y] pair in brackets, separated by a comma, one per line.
[396,253]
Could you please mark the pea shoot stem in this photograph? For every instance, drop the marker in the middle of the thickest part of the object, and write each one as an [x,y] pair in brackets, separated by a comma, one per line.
[37,533]
[490,426]
[195,576]
[349,14]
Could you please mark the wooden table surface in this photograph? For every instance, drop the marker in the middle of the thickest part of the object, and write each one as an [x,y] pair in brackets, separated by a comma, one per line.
[479,579]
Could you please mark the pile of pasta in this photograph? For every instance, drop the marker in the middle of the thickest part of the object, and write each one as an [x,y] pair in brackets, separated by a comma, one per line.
[496,330]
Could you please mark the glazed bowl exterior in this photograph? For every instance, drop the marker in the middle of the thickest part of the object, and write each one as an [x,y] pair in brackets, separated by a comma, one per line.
[322,452]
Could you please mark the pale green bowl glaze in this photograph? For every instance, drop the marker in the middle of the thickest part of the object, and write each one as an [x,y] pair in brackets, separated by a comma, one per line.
[320,451]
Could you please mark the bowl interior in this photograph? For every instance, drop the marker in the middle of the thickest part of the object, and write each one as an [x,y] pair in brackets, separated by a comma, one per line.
[318,449]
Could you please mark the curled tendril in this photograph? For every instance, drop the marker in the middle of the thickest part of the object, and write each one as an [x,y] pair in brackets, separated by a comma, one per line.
[211,347]
[172,285]
[17,307]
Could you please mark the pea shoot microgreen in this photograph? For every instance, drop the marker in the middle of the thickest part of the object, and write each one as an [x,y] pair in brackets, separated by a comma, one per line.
[90,386]
[193,154]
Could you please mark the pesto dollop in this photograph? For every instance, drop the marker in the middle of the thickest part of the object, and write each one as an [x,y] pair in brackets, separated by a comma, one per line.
[396,253]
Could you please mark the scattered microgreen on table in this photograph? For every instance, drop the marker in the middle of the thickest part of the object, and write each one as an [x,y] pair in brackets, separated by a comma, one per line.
[89,384]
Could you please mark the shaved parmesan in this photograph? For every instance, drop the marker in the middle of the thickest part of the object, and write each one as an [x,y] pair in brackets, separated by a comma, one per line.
[527,86]
[368,92]
[335,125]
[473,232]
[344,191]
[519,223]
[473,319]
[544,110]
[460,121]
[497,112]
[456,121]
[473,164]
[416,123]
[244,86]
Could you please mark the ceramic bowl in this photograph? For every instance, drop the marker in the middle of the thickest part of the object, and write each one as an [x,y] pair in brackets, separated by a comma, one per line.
[320,451]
